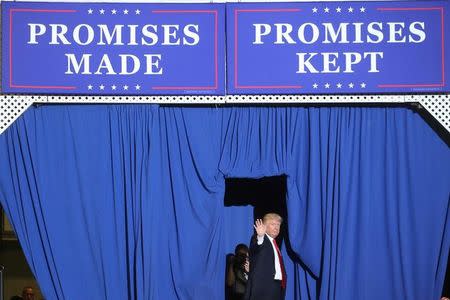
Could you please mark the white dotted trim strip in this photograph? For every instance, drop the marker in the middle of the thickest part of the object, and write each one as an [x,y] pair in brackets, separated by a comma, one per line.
[12,106]
[437,105]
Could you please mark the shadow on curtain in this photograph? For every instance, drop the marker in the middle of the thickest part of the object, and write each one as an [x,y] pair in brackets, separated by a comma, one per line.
[126,202]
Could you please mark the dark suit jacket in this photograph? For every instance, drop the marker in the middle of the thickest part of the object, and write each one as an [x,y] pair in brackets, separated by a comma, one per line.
[261,285]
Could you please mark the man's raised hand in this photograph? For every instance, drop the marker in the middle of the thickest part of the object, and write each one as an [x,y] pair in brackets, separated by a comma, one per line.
[260,228]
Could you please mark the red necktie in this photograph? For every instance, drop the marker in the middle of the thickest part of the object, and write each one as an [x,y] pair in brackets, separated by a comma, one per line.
[280,258]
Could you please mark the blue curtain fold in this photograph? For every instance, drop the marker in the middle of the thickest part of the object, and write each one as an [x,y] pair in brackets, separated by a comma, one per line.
[126,202]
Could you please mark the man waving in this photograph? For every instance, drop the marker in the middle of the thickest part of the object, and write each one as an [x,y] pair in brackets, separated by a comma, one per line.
[267,277]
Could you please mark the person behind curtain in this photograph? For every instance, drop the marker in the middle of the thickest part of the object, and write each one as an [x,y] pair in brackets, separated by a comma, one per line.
[267,276]
[27,294]
[237,273]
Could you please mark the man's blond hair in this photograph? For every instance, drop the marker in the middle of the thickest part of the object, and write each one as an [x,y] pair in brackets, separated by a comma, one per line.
[272,216]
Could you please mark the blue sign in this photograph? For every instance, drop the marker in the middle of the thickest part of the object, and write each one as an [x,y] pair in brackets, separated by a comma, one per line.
[96,48]
[338,47]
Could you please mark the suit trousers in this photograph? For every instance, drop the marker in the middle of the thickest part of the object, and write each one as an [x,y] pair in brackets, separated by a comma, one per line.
[274,292]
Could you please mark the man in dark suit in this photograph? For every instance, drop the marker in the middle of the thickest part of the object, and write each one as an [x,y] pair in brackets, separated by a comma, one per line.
[267,277]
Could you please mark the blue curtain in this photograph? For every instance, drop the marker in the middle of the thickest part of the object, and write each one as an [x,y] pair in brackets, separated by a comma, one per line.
[126,202]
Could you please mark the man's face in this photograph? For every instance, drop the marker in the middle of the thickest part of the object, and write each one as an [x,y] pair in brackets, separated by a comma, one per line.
[242,253]
[28,294]
[272,227]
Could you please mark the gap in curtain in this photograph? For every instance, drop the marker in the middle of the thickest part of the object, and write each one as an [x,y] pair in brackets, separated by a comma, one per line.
[265,195]
[257,197]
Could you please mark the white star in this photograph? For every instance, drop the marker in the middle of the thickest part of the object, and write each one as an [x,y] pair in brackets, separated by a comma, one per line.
[138,12]
[125,87]
[327,10]
[314,10]
[90,87]
[102,11]
[102,87]
[315,85]
[338,9]
[114,11]
[363,85]
[350,9]
[327,85]
[362,9]
[113,87]
[137,86]
[339,85]
[90,11]
[125,11]
[351,85]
